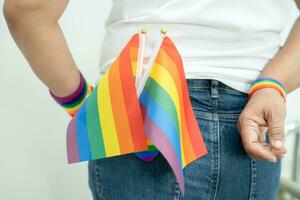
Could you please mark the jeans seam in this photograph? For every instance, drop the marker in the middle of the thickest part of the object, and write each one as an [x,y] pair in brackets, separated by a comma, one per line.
[253,180]
[98,191]
[230,117]
[216,162]
[177,192]
[214,95]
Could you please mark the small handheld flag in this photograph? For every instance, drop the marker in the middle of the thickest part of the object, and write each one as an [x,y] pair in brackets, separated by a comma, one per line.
[109,123]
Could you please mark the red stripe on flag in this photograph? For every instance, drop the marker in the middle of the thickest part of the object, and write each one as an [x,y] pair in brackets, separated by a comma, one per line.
[131,101]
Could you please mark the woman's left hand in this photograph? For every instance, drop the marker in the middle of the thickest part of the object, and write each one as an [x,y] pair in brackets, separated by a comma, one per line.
[265,110]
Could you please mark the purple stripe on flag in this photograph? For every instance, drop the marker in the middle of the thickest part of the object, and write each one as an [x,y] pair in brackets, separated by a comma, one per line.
[147,159]
[72,146]
[162,143]
[147,155]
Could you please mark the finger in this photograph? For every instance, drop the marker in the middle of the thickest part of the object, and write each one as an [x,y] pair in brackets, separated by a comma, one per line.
[262,135]
[275,120]
[262,139]
[263,131]
[261,151]
[279,152]
[276,133]
[259,158]
[249,131]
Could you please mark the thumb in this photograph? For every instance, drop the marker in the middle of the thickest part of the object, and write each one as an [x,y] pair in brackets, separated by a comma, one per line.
[276,131]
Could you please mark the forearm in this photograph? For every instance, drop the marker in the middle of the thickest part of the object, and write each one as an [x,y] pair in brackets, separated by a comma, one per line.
[37,33]
[285,66]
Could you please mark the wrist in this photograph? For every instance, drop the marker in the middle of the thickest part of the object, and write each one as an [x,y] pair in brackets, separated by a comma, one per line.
[266,82]
[73,102]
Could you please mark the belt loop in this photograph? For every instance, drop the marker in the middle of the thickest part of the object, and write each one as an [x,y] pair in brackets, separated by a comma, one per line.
[214,89]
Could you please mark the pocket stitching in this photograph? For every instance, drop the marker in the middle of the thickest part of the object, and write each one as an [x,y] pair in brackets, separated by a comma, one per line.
[99,189]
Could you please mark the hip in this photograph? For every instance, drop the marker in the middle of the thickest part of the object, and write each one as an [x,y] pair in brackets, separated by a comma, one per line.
[226,172]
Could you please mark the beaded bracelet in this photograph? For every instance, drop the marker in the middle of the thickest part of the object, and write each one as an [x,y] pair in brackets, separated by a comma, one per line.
[264,82]
[73,102]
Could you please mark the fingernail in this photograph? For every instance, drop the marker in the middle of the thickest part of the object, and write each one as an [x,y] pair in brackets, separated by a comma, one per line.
[278,144]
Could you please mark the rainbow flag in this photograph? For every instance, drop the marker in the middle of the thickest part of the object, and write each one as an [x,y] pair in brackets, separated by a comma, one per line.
[109,122]
[115,121]
[169,121]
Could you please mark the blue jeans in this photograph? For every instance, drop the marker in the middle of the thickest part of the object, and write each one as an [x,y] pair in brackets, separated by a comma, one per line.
[225,173]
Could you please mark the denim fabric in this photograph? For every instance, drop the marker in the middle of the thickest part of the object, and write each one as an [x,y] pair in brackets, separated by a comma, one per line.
[225,173]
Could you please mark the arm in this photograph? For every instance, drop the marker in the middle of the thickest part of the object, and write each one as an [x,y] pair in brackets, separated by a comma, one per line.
[298,3]
[285,66]
[35,29]
[266,108]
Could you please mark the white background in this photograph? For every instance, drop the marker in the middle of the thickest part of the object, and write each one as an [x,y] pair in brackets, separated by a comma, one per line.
[33,163]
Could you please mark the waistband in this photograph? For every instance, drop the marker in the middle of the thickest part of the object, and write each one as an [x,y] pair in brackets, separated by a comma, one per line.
[207,84]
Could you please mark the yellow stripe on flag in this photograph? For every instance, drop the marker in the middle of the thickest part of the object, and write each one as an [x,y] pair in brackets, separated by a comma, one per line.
[106,118]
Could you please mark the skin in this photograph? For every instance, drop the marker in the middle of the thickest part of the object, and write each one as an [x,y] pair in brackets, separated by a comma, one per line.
[34,26]
[266,109]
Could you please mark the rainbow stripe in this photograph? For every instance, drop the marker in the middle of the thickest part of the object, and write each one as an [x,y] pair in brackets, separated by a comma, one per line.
[264,82]
[167,112]
[109,122]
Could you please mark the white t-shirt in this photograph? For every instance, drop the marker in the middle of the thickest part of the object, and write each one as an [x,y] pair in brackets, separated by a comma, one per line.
[227,40]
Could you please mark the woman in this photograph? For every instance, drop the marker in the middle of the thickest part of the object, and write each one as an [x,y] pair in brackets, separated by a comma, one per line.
[225,46]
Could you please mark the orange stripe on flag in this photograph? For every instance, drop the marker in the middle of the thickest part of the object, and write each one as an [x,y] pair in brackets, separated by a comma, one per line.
[119,109]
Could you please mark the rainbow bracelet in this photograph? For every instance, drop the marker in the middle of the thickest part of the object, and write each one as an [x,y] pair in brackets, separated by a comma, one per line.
[73,102]
[264,82]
